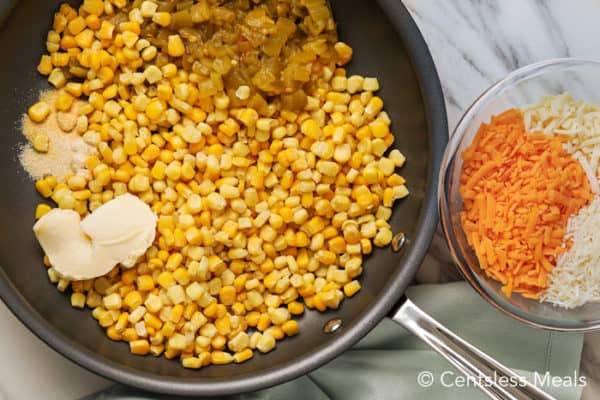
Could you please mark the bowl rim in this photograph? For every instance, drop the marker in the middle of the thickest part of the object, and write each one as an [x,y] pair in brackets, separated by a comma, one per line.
[455,140]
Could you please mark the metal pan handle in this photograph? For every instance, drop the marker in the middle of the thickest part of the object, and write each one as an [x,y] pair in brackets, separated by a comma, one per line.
[471,361]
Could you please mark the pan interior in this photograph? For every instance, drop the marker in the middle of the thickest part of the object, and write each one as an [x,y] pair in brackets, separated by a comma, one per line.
[378,51]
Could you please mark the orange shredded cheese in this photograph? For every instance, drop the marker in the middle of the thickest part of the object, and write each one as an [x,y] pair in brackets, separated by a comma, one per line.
[519,190]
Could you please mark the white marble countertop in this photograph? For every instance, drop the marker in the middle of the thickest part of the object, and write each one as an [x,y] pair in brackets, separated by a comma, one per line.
[473,43]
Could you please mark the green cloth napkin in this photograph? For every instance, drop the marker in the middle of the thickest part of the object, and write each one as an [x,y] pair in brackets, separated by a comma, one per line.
[386,363]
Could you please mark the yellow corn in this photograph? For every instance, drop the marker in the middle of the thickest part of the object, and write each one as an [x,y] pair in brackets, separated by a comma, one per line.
[383,238]
[176,313]
[295,308]
[152,321]
[263,323]
[145,283]
[311,129]
[227,295]
[243,355]
[192,363]
[41,143]
[162,18]
[337,245]
[155,109]
[266,343]
[113,334]
[140,347]
[39,111]
[45,66]
[175,46]
[112,301]
[132,300]
[221,358]
[64,102]
[41,210]
[290,327]
[165,279]
[168,329]
[351,288]
[181,276]
[78,300]
[370,85]
[344,52]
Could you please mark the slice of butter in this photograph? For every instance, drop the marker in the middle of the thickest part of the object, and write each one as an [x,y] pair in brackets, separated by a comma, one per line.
[69,250]
[124,227]
[120,231]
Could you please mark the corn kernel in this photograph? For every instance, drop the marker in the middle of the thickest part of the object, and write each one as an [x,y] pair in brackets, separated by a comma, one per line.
[339,83]
[139,347]
[364,196]
[370,85]
[41,210]
[397,157]
[351,288]
[295,308]
[221,358]
[155,109]
[148,8]
[344,53]
[94,7]
[39,111]
[112,301]
[311,129]
[162,18]
[165,279]
[383,238]
[290,327]
[153,74]
[175,46]
[355,84]
[243,355]
[45,65]
[133,300]
[41,143]
[243,92]
[192,363]
[176,294]
[78,300]
[266,343]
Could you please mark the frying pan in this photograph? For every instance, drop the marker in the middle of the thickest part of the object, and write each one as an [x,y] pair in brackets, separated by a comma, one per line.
[391,49]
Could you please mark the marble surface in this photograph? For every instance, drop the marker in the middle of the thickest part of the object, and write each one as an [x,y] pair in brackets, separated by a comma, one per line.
[474,43]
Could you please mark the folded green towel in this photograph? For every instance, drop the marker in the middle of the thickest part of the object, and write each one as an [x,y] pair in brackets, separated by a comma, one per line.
[386,364]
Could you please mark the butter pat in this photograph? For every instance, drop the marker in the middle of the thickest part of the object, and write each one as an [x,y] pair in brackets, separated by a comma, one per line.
[124,227]
[119,231]
[70,251]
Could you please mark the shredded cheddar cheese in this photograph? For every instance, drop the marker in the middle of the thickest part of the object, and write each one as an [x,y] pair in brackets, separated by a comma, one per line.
[519,190]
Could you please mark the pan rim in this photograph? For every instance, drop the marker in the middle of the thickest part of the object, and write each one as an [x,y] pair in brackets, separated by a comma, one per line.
[435,113]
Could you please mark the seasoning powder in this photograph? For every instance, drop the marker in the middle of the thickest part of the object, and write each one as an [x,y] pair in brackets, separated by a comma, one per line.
[67,150]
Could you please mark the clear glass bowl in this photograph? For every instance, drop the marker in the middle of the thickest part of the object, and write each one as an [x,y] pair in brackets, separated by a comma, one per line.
[579,78]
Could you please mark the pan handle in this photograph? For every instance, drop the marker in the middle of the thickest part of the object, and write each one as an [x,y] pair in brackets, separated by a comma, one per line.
[471,361]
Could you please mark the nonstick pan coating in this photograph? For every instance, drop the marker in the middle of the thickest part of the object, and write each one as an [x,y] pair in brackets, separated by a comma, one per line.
[393,52]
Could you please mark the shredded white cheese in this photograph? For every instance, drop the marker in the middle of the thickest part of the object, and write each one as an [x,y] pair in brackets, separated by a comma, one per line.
[575,280]
[561,115]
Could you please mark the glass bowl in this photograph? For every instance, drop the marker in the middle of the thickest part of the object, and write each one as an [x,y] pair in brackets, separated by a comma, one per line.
[579,78]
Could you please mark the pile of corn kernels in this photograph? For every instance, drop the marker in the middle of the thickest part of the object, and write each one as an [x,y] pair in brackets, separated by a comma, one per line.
[260,213]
